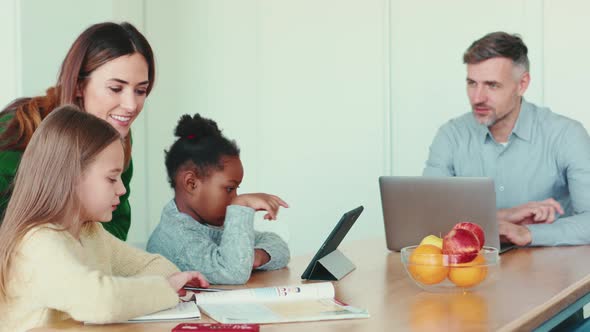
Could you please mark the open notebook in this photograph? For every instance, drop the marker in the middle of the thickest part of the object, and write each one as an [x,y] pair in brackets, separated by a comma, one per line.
[307,302]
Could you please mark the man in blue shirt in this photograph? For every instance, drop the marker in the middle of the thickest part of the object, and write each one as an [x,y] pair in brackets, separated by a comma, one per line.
[539,160]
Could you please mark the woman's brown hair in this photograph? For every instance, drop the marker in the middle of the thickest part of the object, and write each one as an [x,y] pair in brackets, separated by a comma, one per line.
[97,45]
[62,147]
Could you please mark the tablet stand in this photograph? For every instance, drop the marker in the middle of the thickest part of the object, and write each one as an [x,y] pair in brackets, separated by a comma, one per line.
[333,266]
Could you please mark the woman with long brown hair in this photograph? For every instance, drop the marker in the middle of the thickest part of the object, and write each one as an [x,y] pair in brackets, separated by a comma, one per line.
[56,261]
[108,72]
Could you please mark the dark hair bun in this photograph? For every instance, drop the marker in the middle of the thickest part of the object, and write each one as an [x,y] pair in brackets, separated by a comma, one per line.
[196,128]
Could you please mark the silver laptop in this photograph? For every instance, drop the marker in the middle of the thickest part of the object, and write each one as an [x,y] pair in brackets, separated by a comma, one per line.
[414,207]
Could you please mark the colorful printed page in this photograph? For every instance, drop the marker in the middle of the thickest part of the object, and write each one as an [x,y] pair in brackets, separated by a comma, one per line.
[309,302]
[268,294]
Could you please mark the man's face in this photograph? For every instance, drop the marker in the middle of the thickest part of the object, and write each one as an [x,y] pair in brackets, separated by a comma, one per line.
[495,87]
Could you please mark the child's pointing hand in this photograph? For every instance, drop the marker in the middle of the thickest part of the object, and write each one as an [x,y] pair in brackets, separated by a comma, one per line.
[261,202]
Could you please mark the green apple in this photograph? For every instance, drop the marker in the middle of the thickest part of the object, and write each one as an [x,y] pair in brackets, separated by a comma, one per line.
[433,240]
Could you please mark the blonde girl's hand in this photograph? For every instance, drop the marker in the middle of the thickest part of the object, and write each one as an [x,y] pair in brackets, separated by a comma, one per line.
[261,202]
[189,278]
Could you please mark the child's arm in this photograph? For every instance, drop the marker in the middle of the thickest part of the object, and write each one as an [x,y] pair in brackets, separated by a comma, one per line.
[230,262]
[277,249]
[53,275]
[130,261]
[274,246]
[261,202]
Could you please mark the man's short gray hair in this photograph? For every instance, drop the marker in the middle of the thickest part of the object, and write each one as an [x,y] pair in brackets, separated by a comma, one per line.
[495,45]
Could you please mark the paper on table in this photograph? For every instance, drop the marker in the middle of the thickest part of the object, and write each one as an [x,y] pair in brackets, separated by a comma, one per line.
[182,311]
[294,303]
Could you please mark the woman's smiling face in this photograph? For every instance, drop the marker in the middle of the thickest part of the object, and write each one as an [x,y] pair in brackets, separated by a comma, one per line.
[117,90]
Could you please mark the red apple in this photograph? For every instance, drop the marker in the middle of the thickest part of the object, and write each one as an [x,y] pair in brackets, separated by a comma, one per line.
[460,246]
[475,228]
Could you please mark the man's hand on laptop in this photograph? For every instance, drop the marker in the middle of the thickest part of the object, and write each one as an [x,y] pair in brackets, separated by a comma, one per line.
[531,213]
[517,234]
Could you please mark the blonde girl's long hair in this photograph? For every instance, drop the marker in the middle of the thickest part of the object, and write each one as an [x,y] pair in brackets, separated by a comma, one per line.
[63,146]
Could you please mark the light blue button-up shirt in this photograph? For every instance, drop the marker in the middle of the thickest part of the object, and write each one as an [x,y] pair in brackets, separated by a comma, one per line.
[547,156]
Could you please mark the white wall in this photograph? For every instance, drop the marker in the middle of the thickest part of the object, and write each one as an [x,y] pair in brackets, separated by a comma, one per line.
[322,96]
[298,84]
[567,58]
[9,54]
[48,29]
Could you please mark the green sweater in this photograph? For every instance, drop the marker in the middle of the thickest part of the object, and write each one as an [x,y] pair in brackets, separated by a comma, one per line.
[9,160]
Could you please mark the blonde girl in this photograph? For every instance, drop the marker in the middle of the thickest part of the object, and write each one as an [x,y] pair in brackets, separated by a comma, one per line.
[56,259]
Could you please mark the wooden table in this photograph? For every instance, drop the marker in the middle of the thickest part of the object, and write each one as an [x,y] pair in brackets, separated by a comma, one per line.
[534,284]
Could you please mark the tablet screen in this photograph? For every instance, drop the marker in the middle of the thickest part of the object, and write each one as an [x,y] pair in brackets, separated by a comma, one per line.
[334,239]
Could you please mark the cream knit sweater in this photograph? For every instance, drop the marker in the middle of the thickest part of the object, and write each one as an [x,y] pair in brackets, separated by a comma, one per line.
[97,279]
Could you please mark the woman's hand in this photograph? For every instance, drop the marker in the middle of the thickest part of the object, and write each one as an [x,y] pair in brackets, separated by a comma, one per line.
[188,278]
[261,202]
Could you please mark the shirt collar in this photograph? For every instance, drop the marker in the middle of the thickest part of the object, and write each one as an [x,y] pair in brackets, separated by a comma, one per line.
[482,131]
[522,129]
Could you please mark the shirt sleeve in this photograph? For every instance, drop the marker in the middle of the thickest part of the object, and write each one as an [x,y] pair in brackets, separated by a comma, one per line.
[277,249]
[574,159]
[129,261]
[231,261]
[121,221]
[9,161]
[4,194]
[58,279]
[440,157]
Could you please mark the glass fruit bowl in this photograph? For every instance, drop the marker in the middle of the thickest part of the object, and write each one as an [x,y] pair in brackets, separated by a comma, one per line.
[437,272]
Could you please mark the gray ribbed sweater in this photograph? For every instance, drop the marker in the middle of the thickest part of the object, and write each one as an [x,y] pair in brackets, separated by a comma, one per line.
[224,255]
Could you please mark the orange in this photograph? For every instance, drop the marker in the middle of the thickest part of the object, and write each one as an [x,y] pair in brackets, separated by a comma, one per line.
[426,264]
[469,274]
